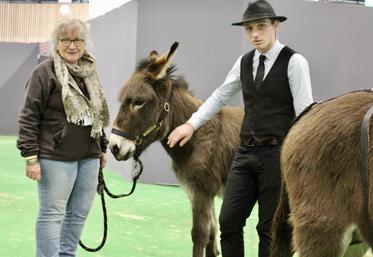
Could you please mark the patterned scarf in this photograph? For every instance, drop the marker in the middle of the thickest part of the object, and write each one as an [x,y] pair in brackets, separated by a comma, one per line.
[79,109]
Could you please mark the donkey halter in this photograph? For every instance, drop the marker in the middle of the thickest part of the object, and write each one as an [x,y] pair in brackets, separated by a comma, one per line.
[138,139]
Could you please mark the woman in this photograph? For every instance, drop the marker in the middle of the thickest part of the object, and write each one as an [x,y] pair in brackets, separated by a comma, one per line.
[62,140]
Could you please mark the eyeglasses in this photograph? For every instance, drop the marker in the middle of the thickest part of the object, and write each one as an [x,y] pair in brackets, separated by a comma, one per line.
[77,42]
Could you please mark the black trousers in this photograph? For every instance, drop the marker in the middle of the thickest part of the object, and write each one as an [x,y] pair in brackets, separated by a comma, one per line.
[254,177]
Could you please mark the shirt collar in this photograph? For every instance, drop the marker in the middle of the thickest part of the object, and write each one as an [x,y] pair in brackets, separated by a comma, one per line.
[272,53]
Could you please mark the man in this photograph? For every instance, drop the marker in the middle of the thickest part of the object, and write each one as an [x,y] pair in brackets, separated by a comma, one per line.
[276,86]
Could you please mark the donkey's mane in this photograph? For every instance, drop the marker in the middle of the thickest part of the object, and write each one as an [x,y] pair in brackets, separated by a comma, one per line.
[177,80]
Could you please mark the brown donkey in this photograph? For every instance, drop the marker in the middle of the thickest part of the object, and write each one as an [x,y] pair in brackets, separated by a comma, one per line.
[153,102]
[322,188]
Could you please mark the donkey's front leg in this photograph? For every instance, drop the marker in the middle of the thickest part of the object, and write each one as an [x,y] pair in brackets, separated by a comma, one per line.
[212,248]
[202,209]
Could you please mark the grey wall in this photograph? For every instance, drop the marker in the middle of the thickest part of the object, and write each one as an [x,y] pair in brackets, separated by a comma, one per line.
[334,39]
[208,44]
[337,41]
[21,59]
[114,38]
[141,26]
[208,47]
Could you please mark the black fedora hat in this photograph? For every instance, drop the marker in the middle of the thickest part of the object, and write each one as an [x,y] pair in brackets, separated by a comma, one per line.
[258,10]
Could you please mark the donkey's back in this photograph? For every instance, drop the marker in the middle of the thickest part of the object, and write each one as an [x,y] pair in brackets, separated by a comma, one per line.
[321,168]
[213,147]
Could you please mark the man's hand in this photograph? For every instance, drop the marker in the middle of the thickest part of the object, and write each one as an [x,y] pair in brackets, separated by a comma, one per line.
[33,171]
[103,160]
[183,133]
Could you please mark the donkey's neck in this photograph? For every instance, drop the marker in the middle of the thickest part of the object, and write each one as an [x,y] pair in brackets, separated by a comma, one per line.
[183,105]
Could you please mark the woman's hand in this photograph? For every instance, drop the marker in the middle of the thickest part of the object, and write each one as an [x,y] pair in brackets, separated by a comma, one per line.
[33,171]
[183,132]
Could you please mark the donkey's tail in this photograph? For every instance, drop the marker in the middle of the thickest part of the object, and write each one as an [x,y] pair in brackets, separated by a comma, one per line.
[281,229]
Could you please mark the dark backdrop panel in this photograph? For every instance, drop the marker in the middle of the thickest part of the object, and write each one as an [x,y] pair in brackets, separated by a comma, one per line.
[13,55]
[22,60]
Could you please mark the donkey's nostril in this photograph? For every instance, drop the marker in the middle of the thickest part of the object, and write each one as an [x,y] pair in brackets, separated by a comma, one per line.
[115,149]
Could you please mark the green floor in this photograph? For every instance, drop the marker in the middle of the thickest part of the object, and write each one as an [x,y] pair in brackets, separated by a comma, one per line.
[154,222]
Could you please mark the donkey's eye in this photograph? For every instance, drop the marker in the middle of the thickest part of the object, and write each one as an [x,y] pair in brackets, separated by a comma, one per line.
[137,104]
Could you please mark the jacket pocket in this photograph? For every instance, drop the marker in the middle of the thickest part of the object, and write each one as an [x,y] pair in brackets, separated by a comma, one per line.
[58,135]
[76,141]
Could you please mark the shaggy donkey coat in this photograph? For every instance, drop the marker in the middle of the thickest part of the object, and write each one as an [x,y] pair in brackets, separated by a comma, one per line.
[322,189]
[201,165]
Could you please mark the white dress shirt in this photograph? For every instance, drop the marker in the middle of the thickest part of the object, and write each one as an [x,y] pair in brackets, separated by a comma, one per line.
[299,82]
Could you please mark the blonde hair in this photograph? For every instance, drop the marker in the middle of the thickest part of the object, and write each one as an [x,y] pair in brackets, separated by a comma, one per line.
[74,24]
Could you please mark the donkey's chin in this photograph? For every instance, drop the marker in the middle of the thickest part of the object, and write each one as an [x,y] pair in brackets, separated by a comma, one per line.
[123,157]
[121,148]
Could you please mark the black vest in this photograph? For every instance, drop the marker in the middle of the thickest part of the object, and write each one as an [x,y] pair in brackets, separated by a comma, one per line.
[269,111]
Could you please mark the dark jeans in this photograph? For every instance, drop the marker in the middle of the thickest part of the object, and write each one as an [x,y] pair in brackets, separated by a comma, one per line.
[254,176]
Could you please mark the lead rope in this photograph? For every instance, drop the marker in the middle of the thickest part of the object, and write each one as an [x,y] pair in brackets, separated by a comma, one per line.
[101,188]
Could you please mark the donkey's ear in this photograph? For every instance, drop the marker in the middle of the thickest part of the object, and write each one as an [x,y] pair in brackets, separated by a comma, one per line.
[153,55]
[159,64]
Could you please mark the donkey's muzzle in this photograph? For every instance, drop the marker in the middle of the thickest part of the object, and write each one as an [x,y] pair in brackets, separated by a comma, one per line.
[114,150]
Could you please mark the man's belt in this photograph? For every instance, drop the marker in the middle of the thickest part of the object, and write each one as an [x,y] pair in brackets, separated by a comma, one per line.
[263,142]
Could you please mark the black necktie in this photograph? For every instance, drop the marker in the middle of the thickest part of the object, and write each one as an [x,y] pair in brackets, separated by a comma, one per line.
[260,71]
